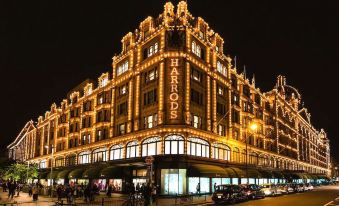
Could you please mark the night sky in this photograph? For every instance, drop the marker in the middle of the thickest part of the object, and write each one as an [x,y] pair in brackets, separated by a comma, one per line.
[48,47]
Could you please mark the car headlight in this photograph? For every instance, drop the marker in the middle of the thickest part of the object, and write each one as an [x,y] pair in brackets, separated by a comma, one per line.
[267,192]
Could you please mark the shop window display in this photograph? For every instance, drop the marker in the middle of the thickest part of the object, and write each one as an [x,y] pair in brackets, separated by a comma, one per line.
[173,181]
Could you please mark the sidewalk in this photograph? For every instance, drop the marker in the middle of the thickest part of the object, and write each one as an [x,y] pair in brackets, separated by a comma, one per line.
[24,200]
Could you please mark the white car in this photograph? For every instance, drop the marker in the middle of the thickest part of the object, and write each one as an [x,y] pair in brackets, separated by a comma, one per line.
[308,187]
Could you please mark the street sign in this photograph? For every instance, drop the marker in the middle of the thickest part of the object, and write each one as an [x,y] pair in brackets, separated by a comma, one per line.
[149,160]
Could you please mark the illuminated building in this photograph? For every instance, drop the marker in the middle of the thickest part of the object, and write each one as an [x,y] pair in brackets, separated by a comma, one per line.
[174,95]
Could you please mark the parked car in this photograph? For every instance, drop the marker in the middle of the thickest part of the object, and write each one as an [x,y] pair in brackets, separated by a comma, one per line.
[284,188]
[228,194]
[308,187]
[253,191]
[270,190]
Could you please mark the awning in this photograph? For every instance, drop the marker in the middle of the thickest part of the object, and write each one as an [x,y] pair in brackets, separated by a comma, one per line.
[92,173]
[277,175]
[63,174]
[76,173]
[52,175]
[253,173]
[111,172]
[266,173]
[237,172]
[294,175]
[200,170]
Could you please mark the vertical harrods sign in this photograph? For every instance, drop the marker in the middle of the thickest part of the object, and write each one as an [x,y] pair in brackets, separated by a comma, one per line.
[174,90]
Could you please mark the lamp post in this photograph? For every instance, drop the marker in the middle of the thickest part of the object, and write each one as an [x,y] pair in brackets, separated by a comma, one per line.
[52,151]
[253,127]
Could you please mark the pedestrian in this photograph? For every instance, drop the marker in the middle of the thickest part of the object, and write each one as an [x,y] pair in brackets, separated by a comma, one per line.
[87,192]
[18,189]
[146,192]
[198,188]
[30,192]
[109,191]
[35,192]
[4,186]
[215,186]
[59,192]
[137,188]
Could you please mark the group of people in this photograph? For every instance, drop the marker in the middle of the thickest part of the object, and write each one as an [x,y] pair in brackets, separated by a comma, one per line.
[12,187]
[71,192]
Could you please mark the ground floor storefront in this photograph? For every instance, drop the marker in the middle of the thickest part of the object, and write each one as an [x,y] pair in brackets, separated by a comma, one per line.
[170,175]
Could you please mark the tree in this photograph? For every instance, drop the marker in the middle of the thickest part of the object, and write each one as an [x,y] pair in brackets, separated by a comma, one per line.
[21,172]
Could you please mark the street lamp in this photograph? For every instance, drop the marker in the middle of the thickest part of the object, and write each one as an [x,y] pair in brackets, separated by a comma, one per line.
[52,151]
[253,127]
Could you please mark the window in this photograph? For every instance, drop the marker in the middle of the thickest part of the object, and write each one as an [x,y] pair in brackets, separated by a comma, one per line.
[236,155]
[101,134]
[116,152]
[104,97]
[150,121]
[150,51]
[87,106]
[234,81]
[99,155]
[122,129]
[122,68]
[150,97]
[151,75]
[221,108]
[246,91]
[42,164]
[86,122]
[253,158]
[221,130]
[104,116]
[257,99]
[174,144]
[196,97]
[103,82]
[235,116]
[83,158]
[123,90]
[220,90]
[86,139]
[235,99]
[151,146]
[196,121]
[196,75]
[70,160]
[132,149]
[196,49]
[221,151]
[247,107]
[198,147]
[59,162]
[221,69]
[122,108]
[75,112]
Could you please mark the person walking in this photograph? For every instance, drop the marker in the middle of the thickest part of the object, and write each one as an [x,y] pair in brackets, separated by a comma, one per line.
[109,191]
[30,192]
[198,188]
[35,192]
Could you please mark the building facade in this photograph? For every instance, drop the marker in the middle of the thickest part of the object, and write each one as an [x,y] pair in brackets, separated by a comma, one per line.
[174,95]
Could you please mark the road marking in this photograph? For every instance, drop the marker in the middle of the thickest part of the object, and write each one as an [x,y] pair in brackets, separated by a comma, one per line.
[328,203]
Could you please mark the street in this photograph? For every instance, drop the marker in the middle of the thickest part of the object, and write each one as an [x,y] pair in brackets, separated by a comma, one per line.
[322,196]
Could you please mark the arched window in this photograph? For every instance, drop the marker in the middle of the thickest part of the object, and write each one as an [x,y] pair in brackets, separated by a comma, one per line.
[221,151]
[116,152]
[193,47]
[254,158]
[132,149]
[236,155]
[42,164]
[174,144]
[99,155]
[198,147]
[151,146]
[83,158]
[59,162]
[243,156]
[70,160]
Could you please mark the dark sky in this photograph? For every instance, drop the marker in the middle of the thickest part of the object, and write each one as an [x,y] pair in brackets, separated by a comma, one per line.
[48,47]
